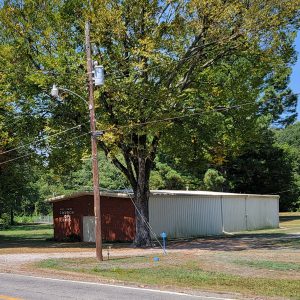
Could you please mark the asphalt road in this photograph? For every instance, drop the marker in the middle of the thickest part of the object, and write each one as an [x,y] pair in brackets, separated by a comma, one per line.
[17,287]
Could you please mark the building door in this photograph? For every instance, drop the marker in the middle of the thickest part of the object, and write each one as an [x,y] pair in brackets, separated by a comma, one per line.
[88,223]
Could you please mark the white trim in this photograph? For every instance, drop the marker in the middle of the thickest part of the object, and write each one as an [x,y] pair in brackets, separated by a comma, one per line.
[160,193]
[81,194]
[204,193]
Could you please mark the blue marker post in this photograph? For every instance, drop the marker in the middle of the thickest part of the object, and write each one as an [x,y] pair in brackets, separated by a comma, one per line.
[164,236]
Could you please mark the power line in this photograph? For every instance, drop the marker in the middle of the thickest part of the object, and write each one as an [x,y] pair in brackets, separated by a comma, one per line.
[133,125]
[139,212]
[218,109]
[41,139]
[32,152]
[180,117]
[281,192]
[76,137]
[16,158]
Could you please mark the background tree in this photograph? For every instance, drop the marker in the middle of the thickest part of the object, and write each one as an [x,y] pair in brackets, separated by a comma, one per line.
[288,139]
[156,54]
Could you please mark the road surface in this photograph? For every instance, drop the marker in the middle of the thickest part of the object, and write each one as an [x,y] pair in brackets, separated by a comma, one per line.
[19,287]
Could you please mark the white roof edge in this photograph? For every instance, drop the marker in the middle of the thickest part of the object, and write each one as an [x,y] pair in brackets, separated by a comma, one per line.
[159,193]
[80,194]
[205,193]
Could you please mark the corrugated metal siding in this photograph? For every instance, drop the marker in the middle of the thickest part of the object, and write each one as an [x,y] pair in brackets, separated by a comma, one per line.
[179,215]
[200,215]
[234,213]
[262,213]
[185,216]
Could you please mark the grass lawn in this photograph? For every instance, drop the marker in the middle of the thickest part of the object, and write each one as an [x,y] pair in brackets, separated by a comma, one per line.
[270,265]
[258,264]
[35,238]
[262,263]
[179,271]
[35,231]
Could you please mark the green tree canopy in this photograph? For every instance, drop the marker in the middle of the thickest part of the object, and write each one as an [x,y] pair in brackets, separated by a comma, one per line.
[161,58]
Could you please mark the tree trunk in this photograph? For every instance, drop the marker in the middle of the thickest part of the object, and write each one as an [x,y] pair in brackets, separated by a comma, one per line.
[141,198]
[11,216]
[142,235]
[137,167]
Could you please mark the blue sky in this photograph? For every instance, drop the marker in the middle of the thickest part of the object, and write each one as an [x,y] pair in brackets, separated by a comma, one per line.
[295,78]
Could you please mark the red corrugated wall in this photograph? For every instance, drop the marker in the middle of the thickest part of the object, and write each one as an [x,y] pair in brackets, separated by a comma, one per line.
[117,217]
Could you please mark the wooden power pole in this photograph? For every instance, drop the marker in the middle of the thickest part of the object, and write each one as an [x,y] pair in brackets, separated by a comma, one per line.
[97,211]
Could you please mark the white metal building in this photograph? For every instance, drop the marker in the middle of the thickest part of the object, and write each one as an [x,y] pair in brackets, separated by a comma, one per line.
[196,213]
[178,213]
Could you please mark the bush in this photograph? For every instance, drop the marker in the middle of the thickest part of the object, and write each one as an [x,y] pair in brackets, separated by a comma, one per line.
[213,180]
[24,219]
[5,220]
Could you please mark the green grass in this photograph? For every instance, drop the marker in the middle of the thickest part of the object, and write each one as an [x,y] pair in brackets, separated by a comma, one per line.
[269,265]
[175,271]
[182,271]
[27,232]
[289,224]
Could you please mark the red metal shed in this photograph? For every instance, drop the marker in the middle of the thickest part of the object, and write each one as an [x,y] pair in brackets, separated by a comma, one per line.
[73,217]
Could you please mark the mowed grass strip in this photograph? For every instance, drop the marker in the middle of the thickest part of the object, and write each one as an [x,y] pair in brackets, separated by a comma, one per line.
[27,232]
[269,265]
[26,238]
[176,271]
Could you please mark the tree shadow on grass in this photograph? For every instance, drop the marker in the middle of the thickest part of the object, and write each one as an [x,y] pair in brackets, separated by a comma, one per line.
[240,242]
[41,236]
[38,242]
[44,242]
[284,219]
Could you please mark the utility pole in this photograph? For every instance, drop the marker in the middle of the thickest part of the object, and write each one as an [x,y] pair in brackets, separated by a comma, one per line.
[97,211]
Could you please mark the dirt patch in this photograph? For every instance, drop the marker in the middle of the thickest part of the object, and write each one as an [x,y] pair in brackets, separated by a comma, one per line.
[16,261]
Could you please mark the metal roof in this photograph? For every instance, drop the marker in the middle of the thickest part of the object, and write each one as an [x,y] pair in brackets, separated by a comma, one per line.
[127,194]
[80,194]
[203,193]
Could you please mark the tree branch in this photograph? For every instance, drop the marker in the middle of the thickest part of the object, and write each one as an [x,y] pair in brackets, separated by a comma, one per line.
[118,164]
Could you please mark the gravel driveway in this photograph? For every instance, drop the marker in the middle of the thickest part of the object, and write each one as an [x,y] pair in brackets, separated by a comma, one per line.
[15,262]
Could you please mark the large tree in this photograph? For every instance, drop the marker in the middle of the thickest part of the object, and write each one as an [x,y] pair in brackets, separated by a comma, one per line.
[157,55]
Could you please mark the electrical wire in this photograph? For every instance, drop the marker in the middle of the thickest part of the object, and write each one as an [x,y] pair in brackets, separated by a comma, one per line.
[281,192]
[146,223]
[16,158]
[142,217]
[32,152]
[41,139]
[132,125]
[76,137]
[127,126]
[179,117]
[144,220]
